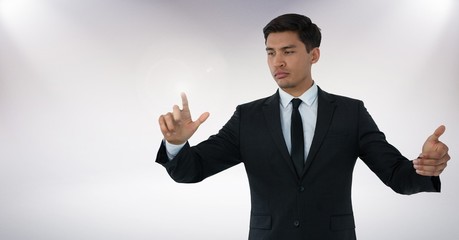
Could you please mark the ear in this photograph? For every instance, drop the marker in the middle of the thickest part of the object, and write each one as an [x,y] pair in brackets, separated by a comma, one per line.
[315,55]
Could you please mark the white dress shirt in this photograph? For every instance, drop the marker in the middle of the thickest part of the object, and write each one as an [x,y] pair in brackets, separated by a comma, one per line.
[308,112]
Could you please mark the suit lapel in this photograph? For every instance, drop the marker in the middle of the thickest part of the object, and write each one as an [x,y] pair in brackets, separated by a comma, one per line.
[325,110]
[272,115]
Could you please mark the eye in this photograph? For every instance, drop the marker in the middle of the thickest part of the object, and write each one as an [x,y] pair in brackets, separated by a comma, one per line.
[270,53]
[288,52]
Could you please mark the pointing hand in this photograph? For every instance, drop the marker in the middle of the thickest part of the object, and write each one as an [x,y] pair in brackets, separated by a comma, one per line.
[177,126]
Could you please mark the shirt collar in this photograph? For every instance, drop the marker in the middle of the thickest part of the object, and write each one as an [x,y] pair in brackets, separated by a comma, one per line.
[307,97]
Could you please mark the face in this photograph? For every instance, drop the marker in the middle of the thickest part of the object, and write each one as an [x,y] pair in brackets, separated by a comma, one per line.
[289,62]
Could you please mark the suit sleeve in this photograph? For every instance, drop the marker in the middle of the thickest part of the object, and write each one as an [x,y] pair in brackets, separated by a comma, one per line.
[194,164]
[387,162]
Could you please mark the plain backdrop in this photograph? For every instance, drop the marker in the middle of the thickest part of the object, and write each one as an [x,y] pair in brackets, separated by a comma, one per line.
[82,84]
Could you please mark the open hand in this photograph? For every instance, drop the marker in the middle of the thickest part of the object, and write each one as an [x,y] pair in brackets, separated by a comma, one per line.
[177,126]
[434,156]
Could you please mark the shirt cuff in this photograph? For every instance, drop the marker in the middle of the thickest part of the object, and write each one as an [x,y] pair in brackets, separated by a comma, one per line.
[172,149]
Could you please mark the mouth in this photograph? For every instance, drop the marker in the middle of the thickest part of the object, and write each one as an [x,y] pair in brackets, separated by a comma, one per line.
[280,74]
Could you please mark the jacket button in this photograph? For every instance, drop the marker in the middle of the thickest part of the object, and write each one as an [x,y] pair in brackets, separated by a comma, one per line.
[296,223]
[301,188]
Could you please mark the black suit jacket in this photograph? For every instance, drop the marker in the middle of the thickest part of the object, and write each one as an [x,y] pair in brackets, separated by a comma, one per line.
[317,204]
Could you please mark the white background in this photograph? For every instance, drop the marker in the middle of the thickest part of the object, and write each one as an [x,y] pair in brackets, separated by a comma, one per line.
[82,84]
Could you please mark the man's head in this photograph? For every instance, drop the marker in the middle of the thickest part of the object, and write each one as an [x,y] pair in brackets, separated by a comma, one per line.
[307,31]
[292,46]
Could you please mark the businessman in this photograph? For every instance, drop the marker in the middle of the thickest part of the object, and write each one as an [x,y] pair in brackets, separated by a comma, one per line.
[299,146]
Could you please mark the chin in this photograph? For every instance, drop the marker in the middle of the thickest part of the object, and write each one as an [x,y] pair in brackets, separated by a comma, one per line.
[283,84]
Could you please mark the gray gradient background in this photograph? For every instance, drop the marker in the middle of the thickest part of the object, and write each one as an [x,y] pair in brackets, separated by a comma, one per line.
[82,84]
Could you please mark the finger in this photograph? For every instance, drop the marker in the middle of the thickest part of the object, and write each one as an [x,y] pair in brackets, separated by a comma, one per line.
[170,123]
[430,170]
[441,148]
[440,151]
[176,113]
[438,132]
[433,155]
[203,118]
[429,174]
[162,125]
[184,102]
[427,162]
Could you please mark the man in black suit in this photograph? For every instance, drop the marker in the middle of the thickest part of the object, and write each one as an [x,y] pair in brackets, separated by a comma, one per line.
[300,184]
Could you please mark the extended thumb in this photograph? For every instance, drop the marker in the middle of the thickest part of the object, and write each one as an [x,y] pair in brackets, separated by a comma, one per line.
[203,117]
[438,132]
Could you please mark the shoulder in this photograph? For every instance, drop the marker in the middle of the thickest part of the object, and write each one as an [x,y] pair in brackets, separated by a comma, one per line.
[260,103]
[338,99]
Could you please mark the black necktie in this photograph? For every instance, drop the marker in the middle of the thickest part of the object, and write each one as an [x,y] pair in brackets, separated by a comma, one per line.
[297,137]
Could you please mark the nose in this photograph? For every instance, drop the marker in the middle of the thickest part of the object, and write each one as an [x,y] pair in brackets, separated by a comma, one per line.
[278,61]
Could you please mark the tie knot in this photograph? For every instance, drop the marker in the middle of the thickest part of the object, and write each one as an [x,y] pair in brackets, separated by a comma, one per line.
[296,103]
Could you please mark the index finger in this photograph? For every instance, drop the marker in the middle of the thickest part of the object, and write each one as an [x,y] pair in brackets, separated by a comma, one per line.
[184,101]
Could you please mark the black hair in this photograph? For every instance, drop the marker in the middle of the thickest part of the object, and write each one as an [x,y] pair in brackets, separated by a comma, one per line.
[308,32]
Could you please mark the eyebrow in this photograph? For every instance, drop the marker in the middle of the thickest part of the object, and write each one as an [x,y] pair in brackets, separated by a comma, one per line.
[282,48]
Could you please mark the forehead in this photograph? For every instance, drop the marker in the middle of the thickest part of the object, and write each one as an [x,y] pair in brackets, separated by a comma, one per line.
[282,39]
